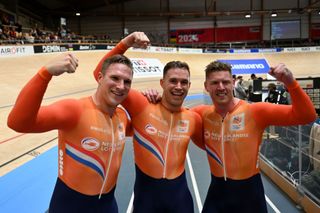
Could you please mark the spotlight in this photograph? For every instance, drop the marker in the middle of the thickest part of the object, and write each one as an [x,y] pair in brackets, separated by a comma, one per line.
[274,14]
[248,15]
[78,14]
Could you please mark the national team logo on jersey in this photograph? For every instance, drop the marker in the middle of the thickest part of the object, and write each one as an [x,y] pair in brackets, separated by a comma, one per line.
[237,122]
[151,130]
[183,126]
[121,130]
[90,144]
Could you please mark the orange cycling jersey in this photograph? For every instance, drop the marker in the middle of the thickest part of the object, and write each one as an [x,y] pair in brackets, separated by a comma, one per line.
[161,137]
[232,143]
[90,141]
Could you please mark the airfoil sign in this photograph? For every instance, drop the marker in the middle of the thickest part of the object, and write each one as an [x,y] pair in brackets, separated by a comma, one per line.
[248,66]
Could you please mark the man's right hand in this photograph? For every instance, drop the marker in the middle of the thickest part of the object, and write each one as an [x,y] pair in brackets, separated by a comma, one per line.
[281,73]
[137,40]
[65,62]
[152,95]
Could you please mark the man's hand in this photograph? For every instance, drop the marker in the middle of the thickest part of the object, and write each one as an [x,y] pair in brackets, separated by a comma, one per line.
[137,40]
[152,95]
[65,62]
[282,73]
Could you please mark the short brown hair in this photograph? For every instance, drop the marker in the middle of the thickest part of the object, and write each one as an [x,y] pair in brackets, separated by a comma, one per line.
[116,59]
[216,66]
[175,64]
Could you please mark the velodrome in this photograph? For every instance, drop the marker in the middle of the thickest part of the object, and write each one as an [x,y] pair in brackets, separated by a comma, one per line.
[17,149]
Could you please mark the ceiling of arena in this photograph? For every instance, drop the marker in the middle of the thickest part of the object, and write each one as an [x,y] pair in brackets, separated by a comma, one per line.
[70,7]
[65,7]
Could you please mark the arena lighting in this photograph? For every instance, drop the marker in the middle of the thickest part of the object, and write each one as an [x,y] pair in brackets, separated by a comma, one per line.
[248,15]
[274,14]
[78,14]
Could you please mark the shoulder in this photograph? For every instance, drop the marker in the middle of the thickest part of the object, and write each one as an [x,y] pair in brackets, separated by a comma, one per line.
[202,109]
[69,104]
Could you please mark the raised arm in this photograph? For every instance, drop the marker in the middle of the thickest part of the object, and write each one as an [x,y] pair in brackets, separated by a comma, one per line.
[301,111]
[135,39]
[28,116]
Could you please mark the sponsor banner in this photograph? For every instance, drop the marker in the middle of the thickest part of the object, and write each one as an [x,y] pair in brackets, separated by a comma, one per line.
[86,47]
[134,49]
[163,49]
[213,51]
[52,48]
[306,83]
[9,51]
[147,67]
[81,47]
[301,49]
[248,66]
[154,49]
[189,50]
[269,50]
[110,47]
[239,50]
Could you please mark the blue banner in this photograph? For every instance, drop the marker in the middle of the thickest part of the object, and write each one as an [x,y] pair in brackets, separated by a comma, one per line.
[248,66]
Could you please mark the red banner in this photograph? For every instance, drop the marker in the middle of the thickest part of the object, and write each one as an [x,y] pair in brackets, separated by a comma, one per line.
[216,35]
[194,36]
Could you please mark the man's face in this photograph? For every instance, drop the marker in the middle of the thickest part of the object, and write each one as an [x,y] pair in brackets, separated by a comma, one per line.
[220,87]
[175,85]
[115,84]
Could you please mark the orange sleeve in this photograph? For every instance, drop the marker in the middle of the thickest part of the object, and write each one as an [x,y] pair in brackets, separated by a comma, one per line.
[120,48]
[135,102]
[28,116]
[301,111]
[197,137]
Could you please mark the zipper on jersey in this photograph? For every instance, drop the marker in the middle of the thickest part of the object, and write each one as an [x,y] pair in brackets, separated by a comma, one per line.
[222,149]
[110,159]
[167,146]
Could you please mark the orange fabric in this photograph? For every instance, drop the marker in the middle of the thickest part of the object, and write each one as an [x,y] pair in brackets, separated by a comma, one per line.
[90,142]
[232,143]
[161,137]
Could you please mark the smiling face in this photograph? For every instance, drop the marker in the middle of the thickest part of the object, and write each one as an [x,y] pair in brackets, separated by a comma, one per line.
[175,85]
[219,85]
[114,86]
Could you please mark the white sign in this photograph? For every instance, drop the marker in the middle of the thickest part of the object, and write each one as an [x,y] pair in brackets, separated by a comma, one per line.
[147,67]
[9,51]
[190,50]
[301,49]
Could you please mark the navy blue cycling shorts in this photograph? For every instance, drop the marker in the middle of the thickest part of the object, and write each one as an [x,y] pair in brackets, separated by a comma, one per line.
[235,196]
[161,195]
[66,200]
